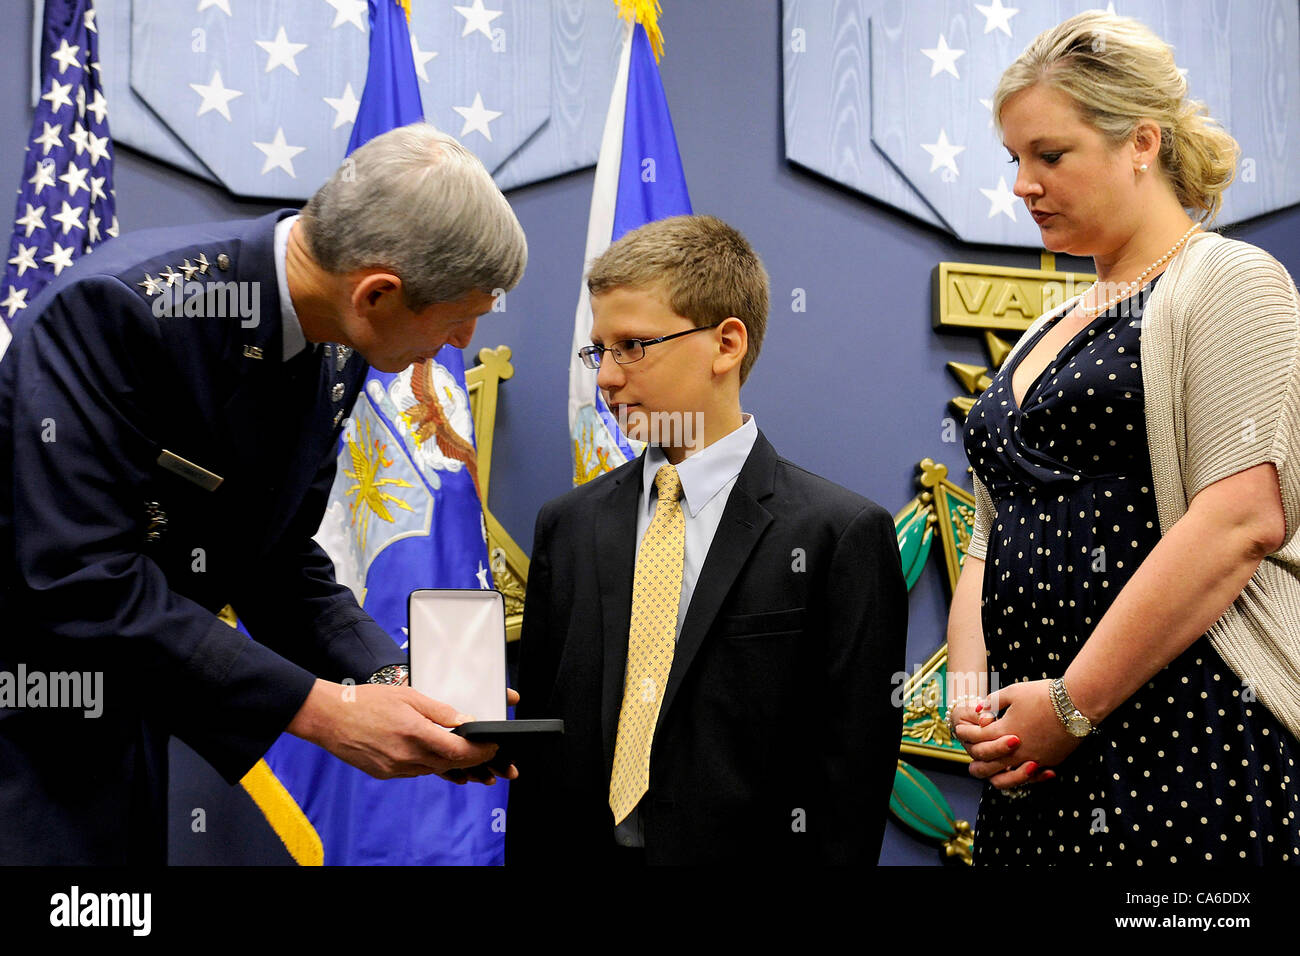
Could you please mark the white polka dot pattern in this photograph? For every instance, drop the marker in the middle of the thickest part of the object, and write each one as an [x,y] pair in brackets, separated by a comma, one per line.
[1189,769]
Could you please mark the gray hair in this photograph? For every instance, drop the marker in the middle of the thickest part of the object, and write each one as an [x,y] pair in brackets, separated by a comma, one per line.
[415,201]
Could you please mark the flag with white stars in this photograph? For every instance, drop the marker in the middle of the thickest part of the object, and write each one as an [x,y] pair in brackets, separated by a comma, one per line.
[65,196]
[895,100]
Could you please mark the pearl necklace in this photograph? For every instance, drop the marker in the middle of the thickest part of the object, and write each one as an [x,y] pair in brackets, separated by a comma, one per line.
[1137,283]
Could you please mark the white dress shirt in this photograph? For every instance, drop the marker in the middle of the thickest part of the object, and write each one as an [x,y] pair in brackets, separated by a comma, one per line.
[293,338]
[707,478]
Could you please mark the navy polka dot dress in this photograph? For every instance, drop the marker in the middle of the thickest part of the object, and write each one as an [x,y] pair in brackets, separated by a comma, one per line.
[1190,769]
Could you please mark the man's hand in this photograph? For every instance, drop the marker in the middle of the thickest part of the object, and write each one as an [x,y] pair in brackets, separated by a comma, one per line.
[485,774]
[391,731]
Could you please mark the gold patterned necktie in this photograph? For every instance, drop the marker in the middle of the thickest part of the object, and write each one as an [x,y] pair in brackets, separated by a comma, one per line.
[656,592]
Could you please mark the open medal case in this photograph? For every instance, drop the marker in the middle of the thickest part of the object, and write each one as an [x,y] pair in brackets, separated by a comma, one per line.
[457,653]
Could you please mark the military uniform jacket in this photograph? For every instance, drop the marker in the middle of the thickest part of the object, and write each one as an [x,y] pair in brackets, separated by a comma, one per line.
[112,563]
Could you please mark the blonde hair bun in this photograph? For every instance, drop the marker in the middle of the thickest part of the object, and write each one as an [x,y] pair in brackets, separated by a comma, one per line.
[1119,72]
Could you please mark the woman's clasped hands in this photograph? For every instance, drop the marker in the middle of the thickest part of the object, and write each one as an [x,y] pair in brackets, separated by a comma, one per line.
[1022,744]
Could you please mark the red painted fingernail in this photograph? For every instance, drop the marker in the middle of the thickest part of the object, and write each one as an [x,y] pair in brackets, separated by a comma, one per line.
[1015,741]
[1031,766]
[1048,775]
[978,708]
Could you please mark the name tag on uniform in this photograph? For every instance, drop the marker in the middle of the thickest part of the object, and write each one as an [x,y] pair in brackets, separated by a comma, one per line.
[207,480]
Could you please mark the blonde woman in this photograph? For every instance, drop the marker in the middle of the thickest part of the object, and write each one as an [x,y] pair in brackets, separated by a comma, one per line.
[1134,579]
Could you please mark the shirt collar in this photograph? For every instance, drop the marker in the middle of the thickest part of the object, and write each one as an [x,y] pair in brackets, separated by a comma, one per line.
[706,472]
[294,341]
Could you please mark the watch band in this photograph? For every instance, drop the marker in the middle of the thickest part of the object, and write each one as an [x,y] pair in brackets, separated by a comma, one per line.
[1072,719]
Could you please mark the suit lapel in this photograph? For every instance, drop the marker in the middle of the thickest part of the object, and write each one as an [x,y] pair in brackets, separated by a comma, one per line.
[743,522]
[616,545]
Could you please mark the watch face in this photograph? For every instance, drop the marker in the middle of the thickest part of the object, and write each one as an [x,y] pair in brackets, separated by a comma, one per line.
[1078,725]
[389,674]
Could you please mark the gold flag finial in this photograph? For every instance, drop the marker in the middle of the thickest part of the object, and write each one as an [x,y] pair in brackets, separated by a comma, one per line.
[646,13]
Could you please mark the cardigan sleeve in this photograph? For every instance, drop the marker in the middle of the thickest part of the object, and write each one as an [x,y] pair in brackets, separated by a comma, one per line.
[1241,385]
[979,538]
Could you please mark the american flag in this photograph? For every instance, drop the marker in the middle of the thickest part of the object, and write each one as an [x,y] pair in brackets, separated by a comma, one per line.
[65,199]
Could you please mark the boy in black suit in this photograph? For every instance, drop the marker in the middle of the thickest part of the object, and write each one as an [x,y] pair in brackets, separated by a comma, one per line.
[718,628]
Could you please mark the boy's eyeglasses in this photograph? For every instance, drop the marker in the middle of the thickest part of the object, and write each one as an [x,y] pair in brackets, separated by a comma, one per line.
[630,350]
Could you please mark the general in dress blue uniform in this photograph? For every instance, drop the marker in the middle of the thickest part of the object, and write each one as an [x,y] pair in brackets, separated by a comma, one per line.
[165,465]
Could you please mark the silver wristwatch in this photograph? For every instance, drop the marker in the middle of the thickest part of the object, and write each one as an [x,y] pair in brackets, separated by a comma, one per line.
[1071,718]
[391,674]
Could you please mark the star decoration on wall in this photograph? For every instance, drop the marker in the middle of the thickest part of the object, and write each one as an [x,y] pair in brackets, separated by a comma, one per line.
[421,57]
[943,153]
[281,52]
[997,17]
[345,106]
[943,58]
[1001,199]
[279,153]
[349,11]
[216,96]
[478,19]
[477,117]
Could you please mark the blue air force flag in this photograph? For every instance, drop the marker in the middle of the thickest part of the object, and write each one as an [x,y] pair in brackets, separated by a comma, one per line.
[639,179]
[404,513]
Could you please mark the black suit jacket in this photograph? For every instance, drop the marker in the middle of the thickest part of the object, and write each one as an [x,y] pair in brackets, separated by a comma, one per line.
[776,739]
[95,384]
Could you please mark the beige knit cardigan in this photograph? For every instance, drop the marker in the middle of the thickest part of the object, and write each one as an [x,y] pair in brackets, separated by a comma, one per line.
[1220,343]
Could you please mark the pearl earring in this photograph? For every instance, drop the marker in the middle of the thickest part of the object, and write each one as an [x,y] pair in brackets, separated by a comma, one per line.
[1143,167]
